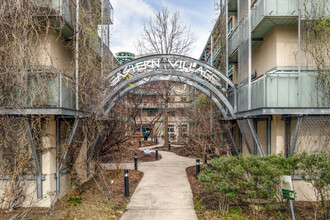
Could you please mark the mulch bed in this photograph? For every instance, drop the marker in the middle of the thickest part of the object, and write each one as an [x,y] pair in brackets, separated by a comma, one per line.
[126,153]
[206,206]
[88,202]
[181,151]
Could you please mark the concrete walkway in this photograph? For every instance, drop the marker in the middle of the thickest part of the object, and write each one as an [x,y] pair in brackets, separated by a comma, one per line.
[164,191]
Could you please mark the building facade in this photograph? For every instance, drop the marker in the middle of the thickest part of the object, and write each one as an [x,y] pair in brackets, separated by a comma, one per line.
[283,85]
[151,118]
[61,51]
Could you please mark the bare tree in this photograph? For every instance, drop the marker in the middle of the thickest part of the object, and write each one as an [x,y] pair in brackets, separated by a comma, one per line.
[165,33]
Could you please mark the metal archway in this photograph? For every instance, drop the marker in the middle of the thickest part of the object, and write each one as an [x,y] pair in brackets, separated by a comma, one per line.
[168,78]
[177,68]
[154,73]
[168,64]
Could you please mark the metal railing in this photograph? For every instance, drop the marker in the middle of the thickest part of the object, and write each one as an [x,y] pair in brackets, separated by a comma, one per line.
[233,41]
[62,7]
[272,8]
[280,88]
[46,88]
[107,12]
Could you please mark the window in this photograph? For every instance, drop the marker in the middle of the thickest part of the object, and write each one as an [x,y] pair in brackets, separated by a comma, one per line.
[171,99]
[152,113]
[183,99]
[230,71]
[230,25]
[183,112]
[170,130]
[183,130]
[171,113]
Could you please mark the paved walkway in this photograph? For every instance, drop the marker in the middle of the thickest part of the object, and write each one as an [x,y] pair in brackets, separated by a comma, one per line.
[164,191]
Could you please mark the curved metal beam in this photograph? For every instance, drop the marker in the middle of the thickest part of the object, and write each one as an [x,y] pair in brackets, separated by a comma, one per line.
[172,56]
[175,73]
[169,78]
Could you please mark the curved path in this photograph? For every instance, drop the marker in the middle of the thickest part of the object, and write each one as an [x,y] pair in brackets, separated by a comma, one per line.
[164,191]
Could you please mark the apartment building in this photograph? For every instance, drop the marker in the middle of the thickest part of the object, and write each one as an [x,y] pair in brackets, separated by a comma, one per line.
[124,57]
[150,100]
[59,52]
[282,83]
[151,118]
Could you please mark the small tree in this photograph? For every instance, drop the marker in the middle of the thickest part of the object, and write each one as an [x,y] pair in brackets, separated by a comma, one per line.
[165,33]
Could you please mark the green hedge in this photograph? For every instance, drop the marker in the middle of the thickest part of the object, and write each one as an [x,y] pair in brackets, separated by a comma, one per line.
[255,178]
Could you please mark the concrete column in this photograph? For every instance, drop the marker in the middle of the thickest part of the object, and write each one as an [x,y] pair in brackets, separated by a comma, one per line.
[277,135]
[48,160]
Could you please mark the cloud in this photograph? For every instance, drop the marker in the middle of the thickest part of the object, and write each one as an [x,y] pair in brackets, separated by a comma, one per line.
[130,15]
[199,15]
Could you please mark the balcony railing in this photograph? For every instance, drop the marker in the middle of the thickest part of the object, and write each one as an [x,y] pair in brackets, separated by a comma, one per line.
[62,8]
[280,89]
[39,89]
[107,13]
[272,8]
[233,41]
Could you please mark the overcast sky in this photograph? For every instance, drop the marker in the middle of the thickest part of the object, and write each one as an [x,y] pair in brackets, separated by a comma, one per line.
[130,15]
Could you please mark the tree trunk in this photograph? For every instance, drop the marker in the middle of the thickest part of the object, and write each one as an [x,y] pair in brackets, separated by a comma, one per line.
[166,119]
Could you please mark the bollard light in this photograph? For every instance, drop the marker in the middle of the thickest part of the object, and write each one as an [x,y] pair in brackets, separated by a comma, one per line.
[126,183]
[156,153]
[198,167]
[169,147]
[135,162]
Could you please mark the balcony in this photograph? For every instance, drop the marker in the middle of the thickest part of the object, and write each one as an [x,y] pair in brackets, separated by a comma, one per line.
[233,41]
[150,105]
[107,13]
[279,88]
[266,14]
[38,91]
[61,8]
[171,105]
[216,51]
[232,7]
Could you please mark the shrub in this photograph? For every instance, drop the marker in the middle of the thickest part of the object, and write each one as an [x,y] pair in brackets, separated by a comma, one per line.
[254,177]
[224,177]
[315,169]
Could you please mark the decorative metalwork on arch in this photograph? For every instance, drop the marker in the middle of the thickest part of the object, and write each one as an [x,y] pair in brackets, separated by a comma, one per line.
[167,78]
[195,73]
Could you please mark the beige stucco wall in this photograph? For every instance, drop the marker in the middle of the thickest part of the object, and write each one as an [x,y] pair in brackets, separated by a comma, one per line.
[52,50]
[278,48]
[264,54]
[235,22]
[303,191]
[287,45]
